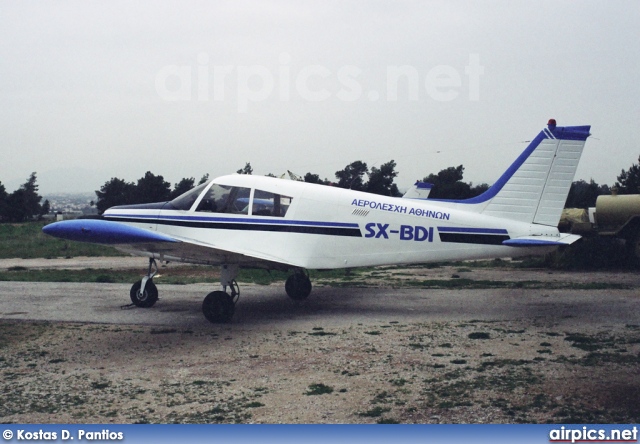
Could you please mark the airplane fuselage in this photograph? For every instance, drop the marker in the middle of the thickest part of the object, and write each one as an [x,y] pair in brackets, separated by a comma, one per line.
[326,227]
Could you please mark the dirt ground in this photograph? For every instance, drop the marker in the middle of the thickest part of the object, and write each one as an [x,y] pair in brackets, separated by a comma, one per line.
[347,355]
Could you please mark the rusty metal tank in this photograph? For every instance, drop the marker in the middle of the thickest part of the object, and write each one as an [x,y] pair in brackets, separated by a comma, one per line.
[613,212]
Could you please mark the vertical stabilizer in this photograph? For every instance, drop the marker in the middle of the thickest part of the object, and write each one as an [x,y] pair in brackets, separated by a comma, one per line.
[535,187]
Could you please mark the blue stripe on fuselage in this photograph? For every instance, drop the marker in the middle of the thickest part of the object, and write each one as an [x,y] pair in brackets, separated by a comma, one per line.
[276,221]
[472,230]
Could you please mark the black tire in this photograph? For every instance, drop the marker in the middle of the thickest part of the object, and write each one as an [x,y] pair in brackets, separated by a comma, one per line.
[298,286]
[218,307]
[148,298]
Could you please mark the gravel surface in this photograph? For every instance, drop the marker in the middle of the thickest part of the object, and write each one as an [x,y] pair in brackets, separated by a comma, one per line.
[69,353]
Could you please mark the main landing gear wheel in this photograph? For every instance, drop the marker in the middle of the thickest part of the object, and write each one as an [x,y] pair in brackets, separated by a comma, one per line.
[218,307]
[146,298]
[298,286]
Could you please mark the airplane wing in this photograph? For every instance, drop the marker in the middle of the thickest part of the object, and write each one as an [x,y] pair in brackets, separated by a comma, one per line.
[542,241]
[100,231]
[139,241]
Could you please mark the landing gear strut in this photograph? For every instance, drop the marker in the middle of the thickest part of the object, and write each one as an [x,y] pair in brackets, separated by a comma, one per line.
[298,285]
[144,293]
[219,306]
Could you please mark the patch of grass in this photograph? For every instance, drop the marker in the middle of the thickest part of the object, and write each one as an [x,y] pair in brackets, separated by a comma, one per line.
[374,412]
[261,277]
[86,275]
[254,404]
[499,363]
[383,397]
[479,335]
[318,389]
[321,333]
[588,343]
[163,331]
[598,358]
[27,241]
[387,421]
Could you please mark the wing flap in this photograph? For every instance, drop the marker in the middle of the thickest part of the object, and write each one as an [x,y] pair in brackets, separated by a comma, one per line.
[542,241]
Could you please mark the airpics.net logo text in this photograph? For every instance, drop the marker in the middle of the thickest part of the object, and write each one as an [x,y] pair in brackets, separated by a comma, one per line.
[589,434]
[248,84]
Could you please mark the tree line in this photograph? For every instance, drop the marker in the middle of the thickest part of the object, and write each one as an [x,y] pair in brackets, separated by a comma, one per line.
[447,184]
[25,202]
[149,188]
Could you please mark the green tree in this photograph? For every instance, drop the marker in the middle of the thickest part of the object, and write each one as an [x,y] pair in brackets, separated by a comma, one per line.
[3,201]
[448,184]
[46,208]
[115,192]
[351,177]
[246,170]
[315,178]
[381,180]
[182,187]
[584,195]
[629,181]
[152,188]
[24,203]
[204,179]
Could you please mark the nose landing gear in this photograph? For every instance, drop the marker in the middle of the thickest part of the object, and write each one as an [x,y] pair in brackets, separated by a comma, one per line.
[144,293]
[218,306]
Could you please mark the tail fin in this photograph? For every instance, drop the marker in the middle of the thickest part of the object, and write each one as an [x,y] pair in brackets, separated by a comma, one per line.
[535,187]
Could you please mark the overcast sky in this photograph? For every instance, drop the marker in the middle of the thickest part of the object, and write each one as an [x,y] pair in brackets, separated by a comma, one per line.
[91,90]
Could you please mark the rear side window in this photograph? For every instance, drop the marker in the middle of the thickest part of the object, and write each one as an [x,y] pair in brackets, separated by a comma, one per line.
[225,199]
[266,203]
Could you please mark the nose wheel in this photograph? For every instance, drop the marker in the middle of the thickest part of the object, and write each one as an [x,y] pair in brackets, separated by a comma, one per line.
[144,298]
[144,293]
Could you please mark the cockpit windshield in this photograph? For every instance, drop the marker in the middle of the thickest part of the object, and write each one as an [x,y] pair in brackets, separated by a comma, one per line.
[185,201]
[235,200]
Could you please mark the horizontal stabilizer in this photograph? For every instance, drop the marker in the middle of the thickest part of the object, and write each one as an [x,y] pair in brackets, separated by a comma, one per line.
[103,232]
[542,241]
[419,190]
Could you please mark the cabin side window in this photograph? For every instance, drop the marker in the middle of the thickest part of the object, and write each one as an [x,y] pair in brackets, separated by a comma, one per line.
[225,199]
[266,203]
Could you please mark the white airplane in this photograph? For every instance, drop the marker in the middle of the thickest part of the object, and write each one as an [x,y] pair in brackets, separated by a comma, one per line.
[253,221]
